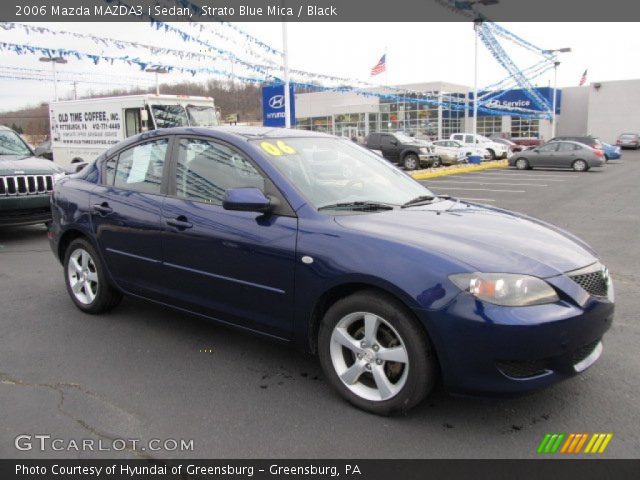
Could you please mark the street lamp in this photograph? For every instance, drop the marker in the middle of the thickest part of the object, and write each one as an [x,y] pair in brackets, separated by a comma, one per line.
[285,67]
[53,61]
[477,22]
[156,70]
[556,63]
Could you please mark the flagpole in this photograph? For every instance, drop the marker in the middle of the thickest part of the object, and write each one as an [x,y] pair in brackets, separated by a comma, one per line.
[386,68]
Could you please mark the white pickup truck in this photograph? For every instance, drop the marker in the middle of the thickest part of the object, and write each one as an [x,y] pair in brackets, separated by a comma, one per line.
[497,150]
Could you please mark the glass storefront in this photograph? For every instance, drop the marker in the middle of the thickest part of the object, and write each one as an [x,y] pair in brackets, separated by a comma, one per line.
[489,125]
[525,127]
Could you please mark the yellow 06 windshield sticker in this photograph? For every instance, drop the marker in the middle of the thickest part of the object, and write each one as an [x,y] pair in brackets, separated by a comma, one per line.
[279,149]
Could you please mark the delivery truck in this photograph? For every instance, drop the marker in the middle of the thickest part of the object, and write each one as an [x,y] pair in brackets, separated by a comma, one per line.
[83,129]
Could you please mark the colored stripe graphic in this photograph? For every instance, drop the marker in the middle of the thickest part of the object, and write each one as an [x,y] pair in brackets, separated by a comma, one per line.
[573,443]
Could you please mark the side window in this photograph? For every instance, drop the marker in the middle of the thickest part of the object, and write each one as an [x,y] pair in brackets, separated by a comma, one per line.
[206,169]
[140,167]
[110,170]
[468,138]
[458,137]
[132,121]
[550,147]
[387,140]
[566,147]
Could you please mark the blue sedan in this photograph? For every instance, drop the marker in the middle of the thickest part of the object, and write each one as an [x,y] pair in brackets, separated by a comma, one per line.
[611,152]
[311,240]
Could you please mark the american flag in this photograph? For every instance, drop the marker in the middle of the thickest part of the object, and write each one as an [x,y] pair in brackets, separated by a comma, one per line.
[583,80]
[381,66]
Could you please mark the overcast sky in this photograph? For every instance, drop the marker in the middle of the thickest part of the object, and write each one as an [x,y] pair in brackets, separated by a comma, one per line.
[416,52]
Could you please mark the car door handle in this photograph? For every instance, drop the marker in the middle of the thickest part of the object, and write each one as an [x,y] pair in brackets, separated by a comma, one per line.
[181,222]
[102,208]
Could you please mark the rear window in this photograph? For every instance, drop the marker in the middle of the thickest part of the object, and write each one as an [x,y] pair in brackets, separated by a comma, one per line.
[627,136]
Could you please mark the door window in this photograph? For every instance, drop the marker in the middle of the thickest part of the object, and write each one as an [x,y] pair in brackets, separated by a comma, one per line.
[458,137]
[566,147]
[132,121]
[140,167]
[550,147]
[206,169]
[387,141]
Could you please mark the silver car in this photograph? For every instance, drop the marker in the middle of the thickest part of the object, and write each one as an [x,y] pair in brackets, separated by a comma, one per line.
[560,154]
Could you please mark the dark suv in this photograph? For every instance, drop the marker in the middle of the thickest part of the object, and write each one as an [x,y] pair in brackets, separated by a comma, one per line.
[402,149]
[26,182]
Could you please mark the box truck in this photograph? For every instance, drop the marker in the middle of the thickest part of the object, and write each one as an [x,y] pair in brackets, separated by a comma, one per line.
[83,129]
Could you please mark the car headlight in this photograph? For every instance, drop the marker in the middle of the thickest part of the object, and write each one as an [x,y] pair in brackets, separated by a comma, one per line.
[424,150]
[58,176]
[507,289]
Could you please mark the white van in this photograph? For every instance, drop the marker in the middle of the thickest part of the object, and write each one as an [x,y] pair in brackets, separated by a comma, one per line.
[83,129]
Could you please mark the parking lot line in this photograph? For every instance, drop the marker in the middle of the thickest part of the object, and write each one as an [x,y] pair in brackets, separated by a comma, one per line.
[483,190]
[491,183]
[506,177]
[514,173]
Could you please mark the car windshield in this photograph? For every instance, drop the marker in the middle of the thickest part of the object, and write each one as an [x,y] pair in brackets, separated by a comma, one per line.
[331,171]
[202,116]
[404,138]
[12,144]
[168,116]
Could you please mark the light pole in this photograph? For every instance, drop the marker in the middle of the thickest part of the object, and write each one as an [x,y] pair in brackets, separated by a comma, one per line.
[556,63]
[156,70]
[53,61]
[285,66]
[477,22]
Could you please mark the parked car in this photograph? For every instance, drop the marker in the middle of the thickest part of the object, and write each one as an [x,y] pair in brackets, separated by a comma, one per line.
[629,140]
[44,150]
[497,150]
[402,149]
[26,182]
[611,152]
[452,151]
[513,147]
[589,140]
[391,285]
[559,154]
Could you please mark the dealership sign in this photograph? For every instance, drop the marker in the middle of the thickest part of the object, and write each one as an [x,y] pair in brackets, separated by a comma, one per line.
[515,99]
[273,113]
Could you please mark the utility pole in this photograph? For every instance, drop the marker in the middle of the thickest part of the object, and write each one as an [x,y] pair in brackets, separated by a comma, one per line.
[285,66]
[53,61]
[556,64]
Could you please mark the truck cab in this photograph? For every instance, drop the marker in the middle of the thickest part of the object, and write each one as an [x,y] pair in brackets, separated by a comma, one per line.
[495,149]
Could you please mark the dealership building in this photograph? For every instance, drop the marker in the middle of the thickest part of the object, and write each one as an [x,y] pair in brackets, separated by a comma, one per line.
[602,109]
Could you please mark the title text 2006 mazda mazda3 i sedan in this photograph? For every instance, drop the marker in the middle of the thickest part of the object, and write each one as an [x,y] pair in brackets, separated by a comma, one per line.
[313,240]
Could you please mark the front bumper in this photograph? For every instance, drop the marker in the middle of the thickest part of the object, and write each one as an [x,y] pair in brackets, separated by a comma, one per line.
[427,158]
[489,349]
[24,210]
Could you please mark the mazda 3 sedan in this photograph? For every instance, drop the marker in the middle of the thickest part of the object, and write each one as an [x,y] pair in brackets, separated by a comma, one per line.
[317,242]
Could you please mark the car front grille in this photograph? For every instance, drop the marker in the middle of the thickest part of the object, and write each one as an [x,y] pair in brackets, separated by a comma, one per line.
[594,283]
[17,185]
[522,369]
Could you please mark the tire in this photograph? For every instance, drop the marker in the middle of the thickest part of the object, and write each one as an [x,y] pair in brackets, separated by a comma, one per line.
[409,379]
[411,161]
[579,165]
[77,160]
[522,164]
[493,154]
[96,294]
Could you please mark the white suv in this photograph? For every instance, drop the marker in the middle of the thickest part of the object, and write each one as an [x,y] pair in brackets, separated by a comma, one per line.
[497,150]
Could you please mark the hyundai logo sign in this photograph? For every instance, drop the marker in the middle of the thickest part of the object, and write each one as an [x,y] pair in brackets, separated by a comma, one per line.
[277,101]
[273,114]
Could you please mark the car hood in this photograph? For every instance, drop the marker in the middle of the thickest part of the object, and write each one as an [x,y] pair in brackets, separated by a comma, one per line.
[486,239]
[15,165]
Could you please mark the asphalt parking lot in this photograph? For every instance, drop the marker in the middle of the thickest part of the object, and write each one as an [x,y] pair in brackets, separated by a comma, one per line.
[146,372]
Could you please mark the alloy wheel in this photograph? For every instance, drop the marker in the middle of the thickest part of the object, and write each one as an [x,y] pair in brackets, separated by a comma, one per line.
[82,276]
[369,356]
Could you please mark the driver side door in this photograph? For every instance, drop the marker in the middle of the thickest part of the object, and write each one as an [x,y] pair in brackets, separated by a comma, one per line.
[545,155]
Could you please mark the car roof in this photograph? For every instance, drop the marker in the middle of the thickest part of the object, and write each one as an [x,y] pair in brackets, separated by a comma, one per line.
[569,141]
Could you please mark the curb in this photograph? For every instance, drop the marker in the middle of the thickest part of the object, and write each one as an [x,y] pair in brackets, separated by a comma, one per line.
[456,170]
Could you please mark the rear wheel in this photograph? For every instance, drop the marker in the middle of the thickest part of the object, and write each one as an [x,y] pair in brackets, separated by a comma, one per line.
[411,161]
[86,280]
[580,165]
[374,354]
[522,164]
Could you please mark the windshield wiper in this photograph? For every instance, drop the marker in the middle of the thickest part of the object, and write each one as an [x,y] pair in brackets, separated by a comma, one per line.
[424,200]
[361,205]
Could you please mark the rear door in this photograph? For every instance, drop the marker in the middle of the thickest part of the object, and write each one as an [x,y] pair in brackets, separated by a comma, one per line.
[234,266]
[125,215]
[565,155]
[389,147]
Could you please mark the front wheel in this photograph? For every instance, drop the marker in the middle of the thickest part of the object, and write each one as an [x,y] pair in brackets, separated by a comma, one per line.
[376,356]
[522,164]
[411,161]
[580,166]
[86,280]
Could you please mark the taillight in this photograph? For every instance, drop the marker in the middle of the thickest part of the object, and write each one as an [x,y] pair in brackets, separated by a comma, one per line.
[618,142]
[599,153]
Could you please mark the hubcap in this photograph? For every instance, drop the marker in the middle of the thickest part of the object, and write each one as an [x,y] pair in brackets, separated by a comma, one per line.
[521,164]
[580,166]
[369,356]
[82,276]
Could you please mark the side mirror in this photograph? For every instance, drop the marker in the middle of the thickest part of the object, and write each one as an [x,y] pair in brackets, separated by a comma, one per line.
[394,142]
[248,199]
